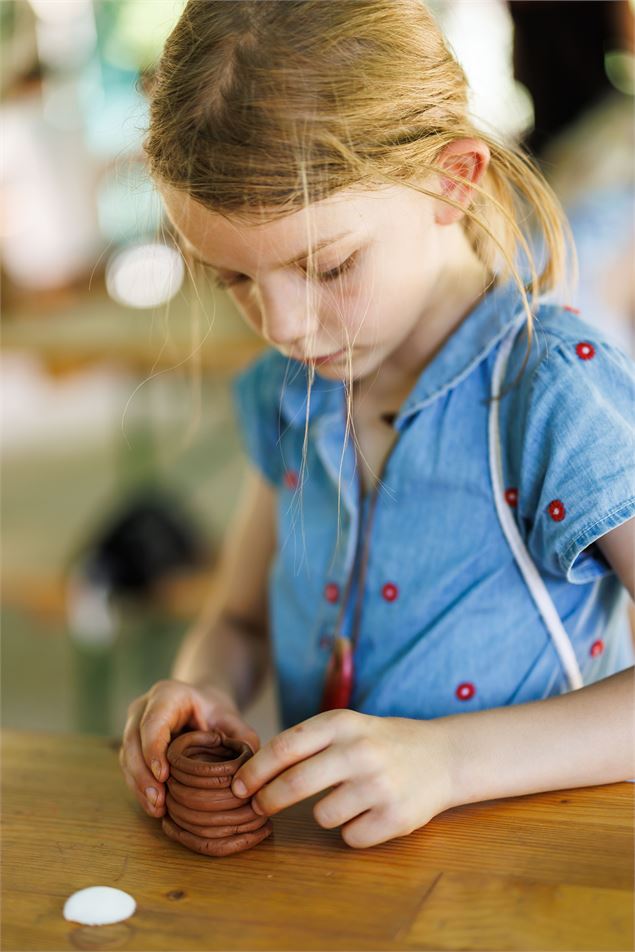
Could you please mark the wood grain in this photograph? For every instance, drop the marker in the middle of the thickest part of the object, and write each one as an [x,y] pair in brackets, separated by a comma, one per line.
[550,871]
[467,910]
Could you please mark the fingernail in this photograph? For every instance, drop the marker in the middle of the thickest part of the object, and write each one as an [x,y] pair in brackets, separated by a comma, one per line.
[152,795]
[256,808]
[156,769]
[239,788]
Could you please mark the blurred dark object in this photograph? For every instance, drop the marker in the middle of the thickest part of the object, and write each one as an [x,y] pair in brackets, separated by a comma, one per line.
[559,55]
[149,538]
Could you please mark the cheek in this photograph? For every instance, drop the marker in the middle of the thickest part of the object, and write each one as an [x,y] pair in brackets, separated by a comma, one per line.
[359,313]
[248,310]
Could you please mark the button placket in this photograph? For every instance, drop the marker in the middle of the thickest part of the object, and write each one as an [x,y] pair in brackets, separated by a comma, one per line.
[326,637]
[365,535]
[363,529]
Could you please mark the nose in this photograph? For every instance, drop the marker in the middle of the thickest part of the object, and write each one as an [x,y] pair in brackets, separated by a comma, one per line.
[284,321]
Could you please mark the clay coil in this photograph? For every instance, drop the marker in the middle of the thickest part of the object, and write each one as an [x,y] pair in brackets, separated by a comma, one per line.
[202,812]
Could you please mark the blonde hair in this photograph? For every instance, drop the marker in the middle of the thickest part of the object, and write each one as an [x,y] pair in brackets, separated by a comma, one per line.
[259,108]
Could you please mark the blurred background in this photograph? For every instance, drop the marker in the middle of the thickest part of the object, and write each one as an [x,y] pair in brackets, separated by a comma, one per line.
[120,463]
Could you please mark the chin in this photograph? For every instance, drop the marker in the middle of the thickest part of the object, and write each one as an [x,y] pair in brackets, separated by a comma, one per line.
[338,371]
[365,360]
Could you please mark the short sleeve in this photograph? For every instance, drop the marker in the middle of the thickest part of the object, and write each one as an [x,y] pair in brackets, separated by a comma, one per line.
[572,461]
[256,407]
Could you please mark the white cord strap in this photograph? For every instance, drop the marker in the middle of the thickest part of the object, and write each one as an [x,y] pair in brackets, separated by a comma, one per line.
[530,573]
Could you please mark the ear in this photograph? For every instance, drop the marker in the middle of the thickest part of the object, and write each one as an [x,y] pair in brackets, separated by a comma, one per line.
[468,159]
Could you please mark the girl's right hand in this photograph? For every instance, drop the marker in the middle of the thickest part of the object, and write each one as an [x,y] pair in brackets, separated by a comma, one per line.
[153,719]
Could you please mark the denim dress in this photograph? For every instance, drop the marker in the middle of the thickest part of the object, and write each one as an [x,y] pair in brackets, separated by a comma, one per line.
[469,578]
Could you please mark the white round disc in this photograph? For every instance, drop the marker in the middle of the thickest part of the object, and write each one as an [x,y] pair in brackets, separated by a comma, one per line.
[99,906]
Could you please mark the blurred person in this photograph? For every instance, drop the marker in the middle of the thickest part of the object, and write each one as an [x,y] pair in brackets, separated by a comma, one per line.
[583,137]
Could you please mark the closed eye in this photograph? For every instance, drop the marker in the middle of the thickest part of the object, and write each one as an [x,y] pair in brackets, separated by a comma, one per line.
[223,285]
[331,275]
[341,269]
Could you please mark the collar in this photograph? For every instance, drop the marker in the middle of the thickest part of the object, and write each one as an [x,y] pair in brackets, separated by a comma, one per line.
[470,343]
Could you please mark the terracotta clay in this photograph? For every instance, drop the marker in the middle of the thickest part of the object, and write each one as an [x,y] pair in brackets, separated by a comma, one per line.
[202,812]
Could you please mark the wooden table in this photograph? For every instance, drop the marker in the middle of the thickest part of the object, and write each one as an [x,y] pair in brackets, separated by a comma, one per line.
[549,871]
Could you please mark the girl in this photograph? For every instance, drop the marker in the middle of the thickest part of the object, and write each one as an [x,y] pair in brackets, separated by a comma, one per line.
[437,533]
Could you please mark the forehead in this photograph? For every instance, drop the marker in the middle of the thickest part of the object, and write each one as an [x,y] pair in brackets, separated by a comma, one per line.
[222,239]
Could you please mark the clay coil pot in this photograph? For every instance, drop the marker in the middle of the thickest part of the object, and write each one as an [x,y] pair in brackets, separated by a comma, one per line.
[202,812]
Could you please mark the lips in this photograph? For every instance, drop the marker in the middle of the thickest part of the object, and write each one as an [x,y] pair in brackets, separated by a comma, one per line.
[321,360]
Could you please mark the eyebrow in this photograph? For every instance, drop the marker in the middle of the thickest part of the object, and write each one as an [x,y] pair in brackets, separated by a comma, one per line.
[296,258]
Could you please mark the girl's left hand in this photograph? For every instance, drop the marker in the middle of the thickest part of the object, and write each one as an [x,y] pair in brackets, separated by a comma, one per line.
[392,774]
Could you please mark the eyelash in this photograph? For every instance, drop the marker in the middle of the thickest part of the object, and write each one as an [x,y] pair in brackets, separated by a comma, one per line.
[325,276]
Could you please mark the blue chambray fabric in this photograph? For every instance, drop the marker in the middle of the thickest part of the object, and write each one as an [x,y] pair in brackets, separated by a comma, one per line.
[445,623]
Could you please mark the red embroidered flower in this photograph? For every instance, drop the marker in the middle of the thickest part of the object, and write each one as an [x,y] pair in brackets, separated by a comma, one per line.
[596,648]
[331,592]
[511,496]
[291,479]
[465,691]
[574,310]
[584,350]
[390,592]
[556,510]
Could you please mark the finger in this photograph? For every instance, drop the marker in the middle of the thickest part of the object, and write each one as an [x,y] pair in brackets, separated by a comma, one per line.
[136,773]
[144,802]
[166,712]
[139,779]
[346,802]
[312,775]
[282,751]
[373,827]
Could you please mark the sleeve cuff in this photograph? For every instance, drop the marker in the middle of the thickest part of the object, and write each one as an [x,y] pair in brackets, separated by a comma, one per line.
[580,566]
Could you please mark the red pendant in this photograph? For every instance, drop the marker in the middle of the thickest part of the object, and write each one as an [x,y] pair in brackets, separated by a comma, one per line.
[338,683]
